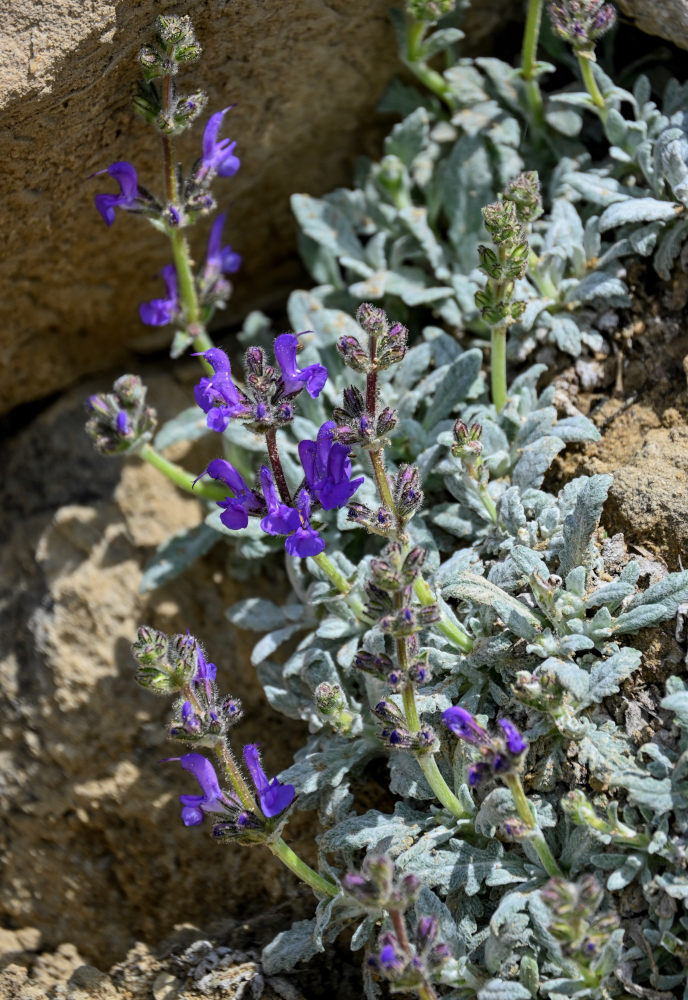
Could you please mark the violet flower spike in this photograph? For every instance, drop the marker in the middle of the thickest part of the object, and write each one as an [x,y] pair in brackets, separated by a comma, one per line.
[280,518]
[312,378]
[218,157]
[463,725]
[327,468]
[514,741]
[235,510]
[125,175]
[274,797]
[159,312]
[218,396]
[220,259]
[305,541]
[194,807]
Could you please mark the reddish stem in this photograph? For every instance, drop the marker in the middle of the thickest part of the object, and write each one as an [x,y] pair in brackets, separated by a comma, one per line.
[371,381]
[276,465]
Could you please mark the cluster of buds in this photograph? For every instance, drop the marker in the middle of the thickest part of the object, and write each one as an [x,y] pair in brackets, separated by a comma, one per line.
[410,965]
[429,10]
[356,426]
[467,444]
[383,667]
[378,522]
[542,691]
[331,702]
[396,734]
[174,45]
[387,341]
[575,922]
[506,221]
[501,756]
[119,421]
[581,23]
[577,806]
[390,593]
[177,665]
[377,888]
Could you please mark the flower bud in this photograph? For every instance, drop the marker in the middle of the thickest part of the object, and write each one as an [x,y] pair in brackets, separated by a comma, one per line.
[353,354]
[429,11]
[372,319]
[406,491]
[524,192]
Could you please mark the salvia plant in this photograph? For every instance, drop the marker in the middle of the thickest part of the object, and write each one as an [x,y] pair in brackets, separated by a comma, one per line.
[448,613]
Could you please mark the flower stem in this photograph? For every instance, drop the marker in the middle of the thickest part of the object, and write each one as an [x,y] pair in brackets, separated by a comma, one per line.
[591,85]
[382,481]
[526,814]
[434,81]
[498,367]
[179,476]
[303,871]
[450,630]
[188,296]
[529,60]
[339,581]
[276,464]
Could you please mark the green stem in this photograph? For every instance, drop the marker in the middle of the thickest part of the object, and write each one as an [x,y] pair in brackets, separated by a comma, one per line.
[591,84]
[526,814]
[188,296]
[382,481]
[498,367]
[488,503]
[427,762]
[339,581]
[440,787]
[179,476]
[303,871]
[450,630]
[529,60]
[434,81]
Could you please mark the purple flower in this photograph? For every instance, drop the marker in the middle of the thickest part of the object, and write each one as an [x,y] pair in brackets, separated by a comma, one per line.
[237,508]
[327,468]
[312,378]
[220,259]
[514,741]
[212,799]
[205,671]
[218,157]
[463,725]
[273,796]
[280,518]
[122,423]
[158,312]
[125,175]
[218,396]
[305,541]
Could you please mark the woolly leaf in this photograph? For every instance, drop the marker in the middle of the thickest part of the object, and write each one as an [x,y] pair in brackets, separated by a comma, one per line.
[455,387]
[606,675]
[580,525]
[327,225]
[534,462]
[289,948]
[176,554]
[636,210]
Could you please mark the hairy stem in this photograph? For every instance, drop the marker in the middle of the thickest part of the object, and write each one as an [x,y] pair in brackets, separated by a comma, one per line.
[591,85]
[529,60]
[276,465]
[303,871]
[382,481]
[188,296]
[498,367]
[450,630]
[179,476]
[526,814]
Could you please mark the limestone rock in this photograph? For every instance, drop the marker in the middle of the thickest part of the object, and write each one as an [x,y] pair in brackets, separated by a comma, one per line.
[668,19]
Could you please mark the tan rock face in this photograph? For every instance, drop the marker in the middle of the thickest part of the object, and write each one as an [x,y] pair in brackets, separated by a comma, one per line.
[93,848]
[666,18]
[305,76]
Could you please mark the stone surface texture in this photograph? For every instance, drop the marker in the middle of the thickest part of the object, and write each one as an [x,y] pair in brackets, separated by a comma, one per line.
[93,849]
[305,76]
[666,18]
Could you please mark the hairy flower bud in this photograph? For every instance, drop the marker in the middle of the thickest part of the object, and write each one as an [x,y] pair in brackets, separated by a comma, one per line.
[379,522]
[372,319]
[582,22]
[429,11]
[353,354]
[120,421]
[406,491]
[524,192]
[467,444]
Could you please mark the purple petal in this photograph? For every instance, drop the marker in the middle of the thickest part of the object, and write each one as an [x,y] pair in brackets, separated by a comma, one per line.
[125,175]
[514,741]
[257,773]
[192,816]
[280,519]
[276,798]
[463,725]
